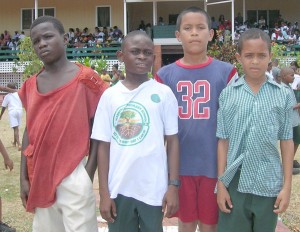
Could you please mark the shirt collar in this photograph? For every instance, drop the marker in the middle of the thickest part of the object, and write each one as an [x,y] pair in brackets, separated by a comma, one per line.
[241,81]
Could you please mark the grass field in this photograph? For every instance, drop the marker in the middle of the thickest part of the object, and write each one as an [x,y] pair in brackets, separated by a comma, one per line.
[15,215]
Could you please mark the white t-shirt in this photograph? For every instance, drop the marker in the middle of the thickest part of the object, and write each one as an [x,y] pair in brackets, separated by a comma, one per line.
[12,101]
[296,83]
[270,75]
[135,122]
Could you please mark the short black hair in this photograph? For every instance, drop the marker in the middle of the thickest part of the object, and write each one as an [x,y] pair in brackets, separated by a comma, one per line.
[49,19]
[193,9]
[253,33]
[116,66]
[12,85]
[131,35]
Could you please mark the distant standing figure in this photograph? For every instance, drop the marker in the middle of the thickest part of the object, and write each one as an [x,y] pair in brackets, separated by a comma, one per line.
[161,21]
[15,110]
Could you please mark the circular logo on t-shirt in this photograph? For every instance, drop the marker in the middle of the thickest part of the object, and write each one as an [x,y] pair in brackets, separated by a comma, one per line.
[131,124]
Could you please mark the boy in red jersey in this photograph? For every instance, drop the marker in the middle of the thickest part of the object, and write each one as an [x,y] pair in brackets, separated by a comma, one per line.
[197,81]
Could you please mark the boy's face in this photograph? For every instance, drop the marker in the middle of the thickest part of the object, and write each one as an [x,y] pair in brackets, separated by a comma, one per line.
[137,55]
[254,58]
[194,33]
[289,77]
[47,42]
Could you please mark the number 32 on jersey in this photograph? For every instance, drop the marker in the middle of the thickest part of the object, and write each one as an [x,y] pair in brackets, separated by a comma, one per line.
[193,107]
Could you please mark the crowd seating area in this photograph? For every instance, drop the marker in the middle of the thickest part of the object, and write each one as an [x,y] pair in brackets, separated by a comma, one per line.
[101,43]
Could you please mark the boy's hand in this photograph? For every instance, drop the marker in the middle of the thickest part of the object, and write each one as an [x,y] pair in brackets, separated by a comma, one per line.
[108,209]
[297,106]
[282,201]
[223,198]
[9,164]
[170,201]
[24,191]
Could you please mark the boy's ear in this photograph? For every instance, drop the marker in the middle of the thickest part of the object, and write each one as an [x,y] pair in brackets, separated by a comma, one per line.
[238,57]
[211,34]
[65,39]
[177,35]
[119,54]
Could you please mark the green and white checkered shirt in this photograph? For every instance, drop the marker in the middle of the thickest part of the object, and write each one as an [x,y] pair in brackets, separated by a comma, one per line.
[295,114]
[253,124]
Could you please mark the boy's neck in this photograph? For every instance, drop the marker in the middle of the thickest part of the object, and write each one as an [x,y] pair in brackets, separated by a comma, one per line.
[133,82]
[284,82]
[255,84]
[57,66]
[194,59]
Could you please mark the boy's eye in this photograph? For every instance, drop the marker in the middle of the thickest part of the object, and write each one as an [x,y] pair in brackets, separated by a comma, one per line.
[35,41]
[135,52]
[148,53]
[145,53]
[201,27]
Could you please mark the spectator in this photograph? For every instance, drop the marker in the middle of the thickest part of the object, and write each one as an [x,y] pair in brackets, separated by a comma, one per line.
[161,21]
[261,22]
[117,33]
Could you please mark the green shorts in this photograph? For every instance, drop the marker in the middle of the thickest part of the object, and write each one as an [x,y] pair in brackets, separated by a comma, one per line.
[250,213]
[136,216]
[296,134]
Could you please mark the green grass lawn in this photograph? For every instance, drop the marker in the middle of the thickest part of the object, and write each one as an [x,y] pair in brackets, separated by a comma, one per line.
[14,214]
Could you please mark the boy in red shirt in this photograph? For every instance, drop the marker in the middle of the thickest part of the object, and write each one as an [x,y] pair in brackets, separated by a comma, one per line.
[60,102]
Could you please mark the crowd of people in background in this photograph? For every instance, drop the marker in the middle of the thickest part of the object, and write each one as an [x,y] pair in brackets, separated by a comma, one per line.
[101,36]
[10,42]
[283,32]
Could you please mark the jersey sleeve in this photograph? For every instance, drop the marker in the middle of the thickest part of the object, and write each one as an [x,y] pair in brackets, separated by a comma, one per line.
[158,79]
[221,125]
[233,76]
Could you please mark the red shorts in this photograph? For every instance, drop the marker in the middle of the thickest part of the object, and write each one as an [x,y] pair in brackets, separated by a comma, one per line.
[197,200]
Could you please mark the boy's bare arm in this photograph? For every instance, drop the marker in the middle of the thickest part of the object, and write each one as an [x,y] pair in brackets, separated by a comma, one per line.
[2,112]
[223,197]
[8,163]
[6,89]
[287,155]
[170,201]
[107,205]
[91,164]
[24,179]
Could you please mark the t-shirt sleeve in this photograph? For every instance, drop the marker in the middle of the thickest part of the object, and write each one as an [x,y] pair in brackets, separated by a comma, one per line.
[102,127]
[170,114]
[221,126]
[5,101]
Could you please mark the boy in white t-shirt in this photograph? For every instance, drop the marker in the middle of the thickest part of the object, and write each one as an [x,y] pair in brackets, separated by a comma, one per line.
[15,110]
[138,177]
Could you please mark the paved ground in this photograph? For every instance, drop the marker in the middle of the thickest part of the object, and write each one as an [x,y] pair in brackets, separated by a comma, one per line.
[170,225]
